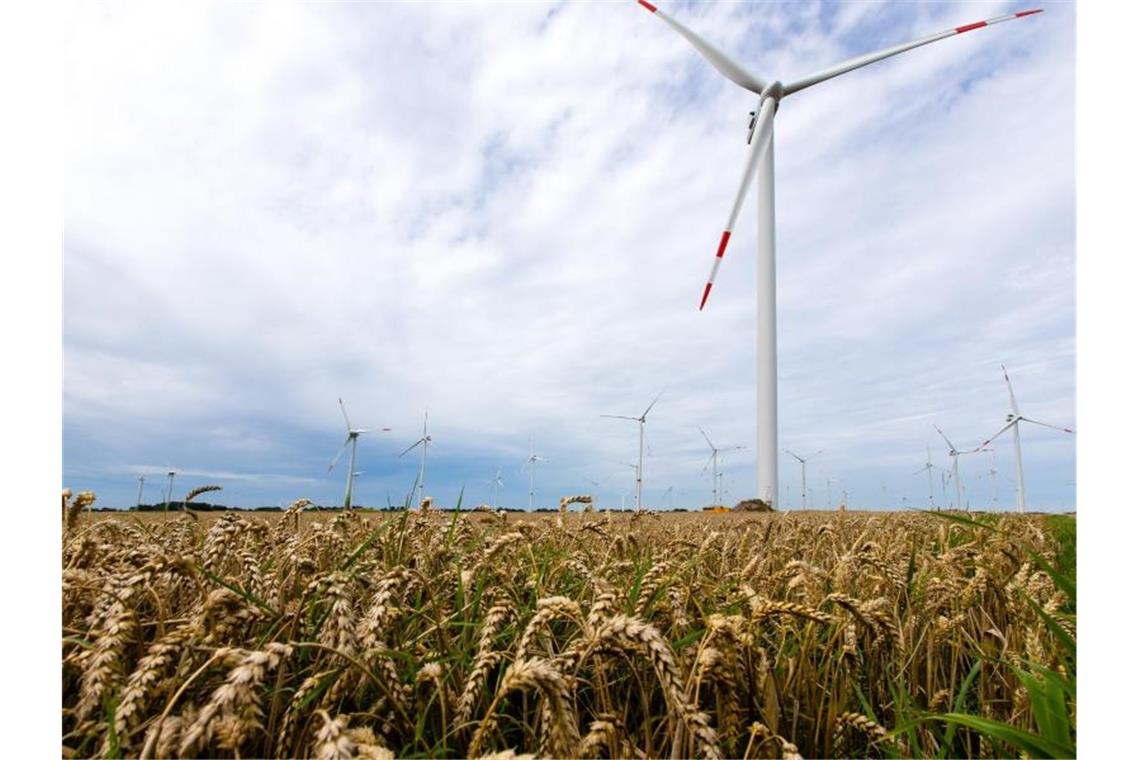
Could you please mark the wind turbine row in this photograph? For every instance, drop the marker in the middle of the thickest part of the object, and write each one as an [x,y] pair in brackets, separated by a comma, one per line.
[760,164]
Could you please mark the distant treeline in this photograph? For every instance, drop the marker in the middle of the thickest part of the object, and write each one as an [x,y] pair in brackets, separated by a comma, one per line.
[197,506]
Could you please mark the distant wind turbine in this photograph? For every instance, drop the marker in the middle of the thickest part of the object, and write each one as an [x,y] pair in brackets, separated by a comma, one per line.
[531,461]
[1012,421]
[929,469]
[496,483]
[713,461]
[141,479]
[954,473]
[760,165]
[424,441]
[640,444]
[169,489]
[803,474]
[350,443]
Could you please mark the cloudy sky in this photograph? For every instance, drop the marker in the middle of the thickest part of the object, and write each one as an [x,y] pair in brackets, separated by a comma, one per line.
[505,214]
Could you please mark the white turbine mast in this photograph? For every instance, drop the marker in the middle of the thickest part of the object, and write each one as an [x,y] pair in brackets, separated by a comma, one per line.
[424,441]
[640,445]
[1012,421]
[169,488]
[141,479]
[713,460]
[760,163]
[350,443]
[803,475]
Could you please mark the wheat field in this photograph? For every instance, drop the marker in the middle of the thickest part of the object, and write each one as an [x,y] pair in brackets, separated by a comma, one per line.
[447,634]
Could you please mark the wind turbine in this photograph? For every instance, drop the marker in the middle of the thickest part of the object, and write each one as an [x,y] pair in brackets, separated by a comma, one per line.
[954,454]
[424,440]
[350,442]
[640,444]
[497,482]
[761,156]
[531,461]
[929,468]
[803,474]
[141,479]
[713,460]
[1012,420]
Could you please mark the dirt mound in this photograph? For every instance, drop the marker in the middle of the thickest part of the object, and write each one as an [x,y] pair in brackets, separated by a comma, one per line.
[753,505]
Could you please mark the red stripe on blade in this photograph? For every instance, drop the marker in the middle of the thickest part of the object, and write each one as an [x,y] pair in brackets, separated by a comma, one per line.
[705,297]
[723,244]
[970,27]
[648,6]
[1020,14]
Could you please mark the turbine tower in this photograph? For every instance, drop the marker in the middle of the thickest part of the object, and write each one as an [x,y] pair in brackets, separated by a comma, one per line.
[713,461]
[350,443]
[760,156]
[424,440]
[138,501]
[1012,420]
[803,475]
[640,445]
[169,489]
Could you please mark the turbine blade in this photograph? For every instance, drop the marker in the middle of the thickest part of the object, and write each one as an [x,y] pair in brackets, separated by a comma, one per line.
[619,417]
[989,440]
[1009,385]
[706,467]
[718,58]
[1046,424]
[863,60]
[405,451]
[919,472]
[761,141]
[339,451]
[373,430]
[344,411]
[646,412]
[952,448]
[710,443]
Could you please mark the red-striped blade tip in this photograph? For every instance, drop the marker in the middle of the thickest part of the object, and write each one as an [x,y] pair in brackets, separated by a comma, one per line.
[705,297]
[723,243]
[969,27]
[648,6]
[1022,14]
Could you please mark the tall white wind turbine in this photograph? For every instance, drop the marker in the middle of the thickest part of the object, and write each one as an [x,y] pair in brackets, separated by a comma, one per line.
[640,445]
[954,454]
[803,474]
[141,479]
[760,156]
[1012,421]
[169,488]
[929,469]
[713,461]
[424,441]
[350,443]
[531,461]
